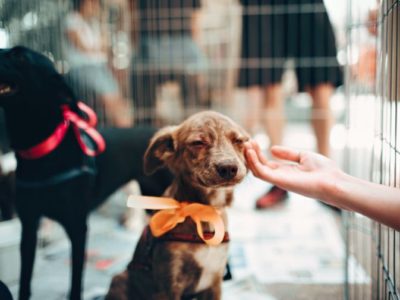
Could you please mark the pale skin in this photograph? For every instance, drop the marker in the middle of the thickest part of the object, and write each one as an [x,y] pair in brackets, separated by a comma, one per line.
[314,175]
[273,111]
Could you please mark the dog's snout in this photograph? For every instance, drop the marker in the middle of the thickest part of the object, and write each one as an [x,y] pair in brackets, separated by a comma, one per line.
[227,170]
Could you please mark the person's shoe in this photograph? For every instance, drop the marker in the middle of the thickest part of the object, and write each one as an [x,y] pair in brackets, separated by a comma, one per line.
[273,196]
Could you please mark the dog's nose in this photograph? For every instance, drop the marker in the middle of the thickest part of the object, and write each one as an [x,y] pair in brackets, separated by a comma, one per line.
[227,171]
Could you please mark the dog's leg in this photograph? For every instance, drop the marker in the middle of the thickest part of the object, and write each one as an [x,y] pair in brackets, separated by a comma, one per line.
[166,296]
[77,234]
[213,293]
[28,250]
[168,291]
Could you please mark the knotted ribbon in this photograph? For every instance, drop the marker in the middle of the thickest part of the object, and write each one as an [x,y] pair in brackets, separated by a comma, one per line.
[173,212]
[70,118]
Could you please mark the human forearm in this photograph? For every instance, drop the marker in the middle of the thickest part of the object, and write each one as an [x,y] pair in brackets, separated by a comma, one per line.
[378,202]
[316,176]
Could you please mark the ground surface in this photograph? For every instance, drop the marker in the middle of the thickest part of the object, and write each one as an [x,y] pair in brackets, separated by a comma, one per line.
[292,251]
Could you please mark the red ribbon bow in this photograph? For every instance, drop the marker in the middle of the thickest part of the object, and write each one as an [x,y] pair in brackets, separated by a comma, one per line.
[70,118]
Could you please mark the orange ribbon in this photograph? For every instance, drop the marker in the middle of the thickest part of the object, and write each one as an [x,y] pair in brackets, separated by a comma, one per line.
[173,212]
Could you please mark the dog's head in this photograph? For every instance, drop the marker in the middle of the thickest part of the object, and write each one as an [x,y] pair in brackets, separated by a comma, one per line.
[29,78]
[206,151]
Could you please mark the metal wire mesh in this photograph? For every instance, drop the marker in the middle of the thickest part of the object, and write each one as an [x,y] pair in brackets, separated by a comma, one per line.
[171,58]
[372,82]
[42,26]
[168,64]
[184,57]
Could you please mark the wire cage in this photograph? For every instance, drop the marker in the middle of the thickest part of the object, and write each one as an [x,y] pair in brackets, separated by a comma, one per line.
[161,62]
[372,89]
[184,57]
[44,27]
[166,59]
[193,55]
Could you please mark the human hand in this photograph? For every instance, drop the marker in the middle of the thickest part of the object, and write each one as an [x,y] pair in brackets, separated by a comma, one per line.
[316,176]
[303,172]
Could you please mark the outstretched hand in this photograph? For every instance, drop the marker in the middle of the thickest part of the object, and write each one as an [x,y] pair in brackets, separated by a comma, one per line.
[316,176]
[303,172]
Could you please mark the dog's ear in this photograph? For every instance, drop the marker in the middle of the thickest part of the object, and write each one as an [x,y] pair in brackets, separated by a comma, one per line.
[160,150]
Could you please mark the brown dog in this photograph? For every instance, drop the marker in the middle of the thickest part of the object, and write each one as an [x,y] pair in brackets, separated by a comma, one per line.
[205,154]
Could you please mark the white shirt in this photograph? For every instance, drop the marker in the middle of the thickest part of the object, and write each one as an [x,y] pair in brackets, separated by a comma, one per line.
[90,35]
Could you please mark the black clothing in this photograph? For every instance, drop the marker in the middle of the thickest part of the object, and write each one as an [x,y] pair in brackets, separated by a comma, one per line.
[273,31]
[158,17]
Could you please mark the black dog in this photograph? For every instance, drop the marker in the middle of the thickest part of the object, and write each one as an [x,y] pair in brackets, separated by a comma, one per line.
[64,184]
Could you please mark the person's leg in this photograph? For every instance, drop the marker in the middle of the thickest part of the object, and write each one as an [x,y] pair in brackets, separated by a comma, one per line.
[253,104]
[274,122]
[194,92]
[118,111]
[274,113]
[321,115]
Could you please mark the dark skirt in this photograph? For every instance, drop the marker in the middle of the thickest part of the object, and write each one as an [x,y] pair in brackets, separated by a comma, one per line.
[273,31]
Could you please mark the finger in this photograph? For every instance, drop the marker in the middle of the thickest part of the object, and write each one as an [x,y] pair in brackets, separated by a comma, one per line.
[286,153]
[253,162]
[248,145]
[251,158]
[259,152]
[259,170]
[252,145]
[273,164]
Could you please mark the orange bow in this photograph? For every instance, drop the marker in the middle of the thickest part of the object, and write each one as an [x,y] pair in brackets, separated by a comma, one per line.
[173,212]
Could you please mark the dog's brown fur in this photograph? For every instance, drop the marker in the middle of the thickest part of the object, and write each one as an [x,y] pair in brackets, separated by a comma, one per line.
[205,154]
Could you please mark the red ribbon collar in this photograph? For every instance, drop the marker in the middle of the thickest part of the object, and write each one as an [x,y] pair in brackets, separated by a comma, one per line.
[70,118]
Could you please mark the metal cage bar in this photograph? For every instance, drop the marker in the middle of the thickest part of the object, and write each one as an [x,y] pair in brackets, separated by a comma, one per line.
[375,246]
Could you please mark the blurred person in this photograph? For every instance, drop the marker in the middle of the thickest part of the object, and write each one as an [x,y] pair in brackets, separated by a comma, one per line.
[364,69]
[86,53]
[168,49]
[316,176]
[272,32]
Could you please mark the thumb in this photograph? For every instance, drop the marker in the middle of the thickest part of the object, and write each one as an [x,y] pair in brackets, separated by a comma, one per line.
[286,153]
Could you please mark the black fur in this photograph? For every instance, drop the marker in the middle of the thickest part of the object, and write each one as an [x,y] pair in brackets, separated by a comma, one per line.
[32,111]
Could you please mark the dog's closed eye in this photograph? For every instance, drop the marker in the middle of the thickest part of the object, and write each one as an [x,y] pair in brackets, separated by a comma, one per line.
[198,144]
[237,141]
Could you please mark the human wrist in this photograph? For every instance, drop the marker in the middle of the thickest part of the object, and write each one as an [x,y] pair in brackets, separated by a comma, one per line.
[333,188]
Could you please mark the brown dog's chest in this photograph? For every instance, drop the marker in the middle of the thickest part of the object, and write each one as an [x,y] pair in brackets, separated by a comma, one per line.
[198,266]
[212,261]
[190,264]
